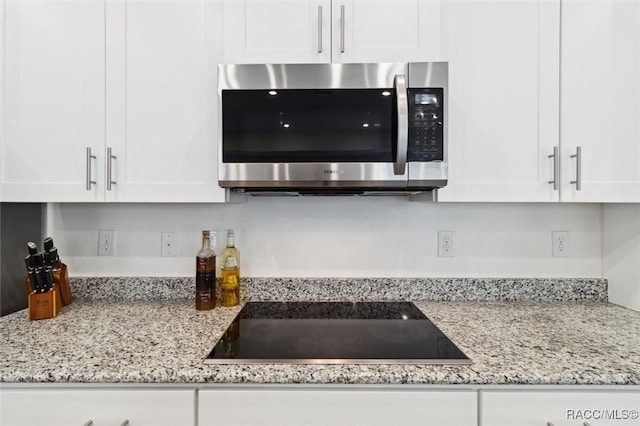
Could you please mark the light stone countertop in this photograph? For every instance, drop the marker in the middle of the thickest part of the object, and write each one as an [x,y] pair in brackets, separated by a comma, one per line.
[165,341]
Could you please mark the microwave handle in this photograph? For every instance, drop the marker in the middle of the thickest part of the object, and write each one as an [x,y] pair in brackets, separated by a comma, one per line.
[400,86]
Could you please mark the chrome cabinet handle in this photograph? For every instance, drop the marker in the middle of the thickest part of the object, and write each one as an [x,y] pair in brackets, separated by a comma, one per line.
[89,158]
[110,158]
[578,157]
[125,423]
[320,29]
[400,86]
[556,168]
[549,424]
[89,423]
[586,424]
[342,29]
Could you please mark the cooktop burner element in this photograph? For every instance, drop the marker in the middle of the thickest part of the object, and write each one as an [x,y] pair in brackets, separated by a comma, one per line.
[334,333]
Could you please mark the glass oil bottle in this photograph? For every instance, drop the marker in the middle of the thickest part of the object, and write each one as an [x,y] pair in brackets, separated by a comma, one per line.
[230,273]
[206,274]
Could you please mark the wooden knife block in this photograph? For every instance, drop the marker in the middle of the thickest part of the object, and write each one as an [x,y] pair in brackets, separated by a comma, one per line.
[44,305]
[61,278]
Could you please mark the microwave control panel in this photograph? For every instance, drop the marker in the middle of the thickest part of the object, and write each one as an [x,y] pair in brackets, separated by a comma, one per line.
[425,124]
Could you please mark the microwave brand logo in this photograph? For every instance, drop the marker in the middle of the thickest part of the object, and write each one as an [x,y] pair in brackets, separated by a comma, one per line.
[333,172]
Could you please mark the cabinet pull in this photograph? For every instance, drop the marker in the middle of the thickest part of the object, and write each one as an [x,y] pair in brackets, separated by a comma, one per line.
[556,168]
[89,158]
[125,423]
[89,423]
[110,158]
[549,424]
[342,29]
[586,424]
[578,157]
[319,29]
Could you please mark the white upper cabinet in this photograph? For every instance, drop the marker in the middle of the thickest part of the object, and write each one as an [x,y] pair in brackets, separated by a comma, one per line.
[135,79]
[53,99]
[304,31]
[601,100]
[503,98]
[385,30]
[161,106]
[277,31]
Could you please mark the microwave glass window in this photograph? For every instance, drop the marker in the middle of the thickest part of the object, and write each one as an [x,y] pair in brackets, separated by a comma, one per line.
[306,125]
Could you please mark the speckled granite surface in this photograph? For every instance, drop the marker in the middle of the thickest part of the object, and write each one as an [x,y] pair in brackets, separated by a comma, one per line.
[337,289]
[165,342]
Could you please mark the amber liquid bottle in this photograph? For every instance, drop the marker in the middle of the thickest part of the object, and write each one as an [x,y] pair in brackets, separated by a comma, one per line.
[205,275]
[230,273]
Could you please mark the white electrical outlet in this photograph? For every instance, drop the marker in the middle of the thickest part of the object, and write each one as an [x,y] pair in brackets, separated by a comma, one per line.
[446,246]
[560,243]
[169,244]
[106,243]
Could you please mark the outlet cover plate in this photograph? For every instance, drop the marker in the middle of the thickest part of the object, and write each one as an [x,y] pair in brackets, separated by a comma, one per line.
[169,245]
[106,243]
[560,243]
[446,246]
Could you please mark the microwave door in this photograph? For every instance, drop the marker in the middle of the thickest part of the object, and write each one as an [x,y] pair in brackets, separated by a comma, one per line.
[402,138]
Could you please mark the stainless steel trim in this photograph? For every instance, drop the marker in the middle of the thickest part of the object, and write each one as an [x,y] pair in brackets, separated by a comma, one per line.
[402,141]
[89,423]
[578,157]
[556,168]
[342,17]
[427,174]
[309,175]
[320,29]
[308,76]
[340,361]
[332,175]
[89,158]
[110,157]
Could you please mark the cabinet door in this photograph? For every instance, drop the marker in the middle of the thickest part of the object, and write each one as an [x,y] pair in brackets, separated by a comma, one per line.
[386,30]
[601,100]
[284,407]
[503,98]
[560,408]
[162,61]
[53,97]
[277,31]
[62,407]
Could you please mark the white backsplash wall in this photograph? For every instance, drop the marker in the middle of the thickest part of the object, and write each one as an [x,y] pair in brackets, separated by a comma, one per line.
[621,253]
[335,237]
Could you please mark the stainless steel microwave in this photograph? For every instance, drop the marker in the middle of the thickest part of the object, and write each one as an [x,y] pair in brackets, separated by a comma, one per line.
[333,128]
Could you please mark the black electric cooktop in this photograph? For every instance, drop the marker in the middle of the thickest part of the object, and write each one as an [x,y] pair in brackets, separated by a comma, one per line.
[334,333]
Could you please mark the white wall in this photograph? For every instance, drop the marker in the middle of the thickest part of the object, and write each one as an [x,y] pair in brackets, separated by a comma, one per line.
[336,237]
[621,253]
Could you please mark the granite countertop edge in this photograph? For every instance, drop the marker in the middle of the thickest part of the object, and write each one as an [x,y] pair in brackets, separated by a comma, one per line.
[510,343]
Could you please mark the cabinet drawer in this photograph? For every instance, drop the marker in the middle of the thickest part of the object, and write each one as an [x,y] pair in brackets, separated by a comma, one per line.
[310,407]
[61,407]
[561,408]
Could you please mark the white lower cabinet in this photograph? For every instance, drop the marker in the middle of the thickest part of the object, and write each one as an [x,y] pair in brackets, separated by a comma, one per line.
[310,407]
[78,407]
[559,408]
